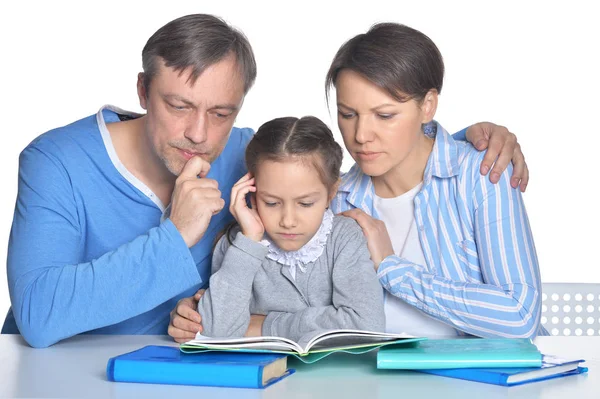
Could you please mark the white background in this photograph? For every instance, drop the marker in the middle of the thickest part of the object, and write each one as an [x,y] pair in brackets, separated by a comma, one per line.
[531,66]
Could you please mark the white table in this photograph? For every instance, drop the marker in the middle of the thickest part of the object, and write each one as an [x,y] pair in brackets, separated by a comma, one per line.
[77,368]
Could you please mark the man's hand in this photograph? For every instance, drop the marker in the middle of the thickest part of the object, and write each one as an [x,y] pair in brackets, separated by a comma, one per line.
[378,238]
[195,201]
[502,148]
[255,326]
[185,320]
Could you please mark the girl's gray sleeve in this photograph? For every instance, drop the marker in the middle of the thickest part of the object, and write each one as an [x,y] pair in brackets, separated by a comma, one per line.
[357,295]
[225,306]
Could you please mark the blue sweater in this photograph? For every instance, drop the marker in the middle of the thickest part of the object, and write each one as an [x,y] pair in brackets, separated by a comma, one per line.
[89,250]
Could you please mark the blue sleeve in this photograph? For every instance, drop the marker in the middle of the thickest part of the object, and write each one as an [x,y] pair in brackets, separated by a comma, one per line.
[507,303]
[55,293]
[461,135]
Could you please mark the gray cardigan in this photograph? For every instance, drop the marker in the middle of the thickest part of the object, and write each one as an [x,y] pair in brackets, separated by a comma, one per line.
[340,289]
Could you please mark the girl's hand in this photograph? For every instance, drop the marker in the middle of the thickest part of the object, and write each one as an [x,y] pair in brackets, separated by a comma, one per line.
[378,239]
[255,326]
[250,223]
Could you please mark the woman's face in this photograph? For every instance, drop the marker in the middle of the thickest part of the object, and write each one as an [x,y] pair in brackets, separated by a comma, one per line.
[379,132]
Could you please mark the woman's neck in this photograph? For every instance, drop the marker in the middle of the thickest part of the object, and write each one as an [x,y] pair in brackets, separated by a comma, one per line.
[407,174]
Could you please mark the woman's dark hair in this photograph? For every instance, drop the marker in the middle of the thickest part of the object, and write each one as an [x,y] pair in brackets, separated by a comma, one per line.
[307,139]
[399,59]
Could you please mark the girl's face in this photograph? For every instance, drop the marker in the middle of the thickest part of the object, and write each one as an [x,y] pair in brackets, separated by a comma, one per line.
[291,200]
[379,132]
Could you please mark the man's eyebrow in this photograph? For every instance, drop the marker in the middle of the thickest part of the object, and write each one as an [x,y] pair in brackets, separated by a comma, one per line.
[230,107]
[178,98]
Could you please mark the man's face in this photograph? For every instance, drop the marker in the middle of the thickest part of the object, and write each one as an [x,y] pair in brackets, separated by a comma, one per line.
[185,119]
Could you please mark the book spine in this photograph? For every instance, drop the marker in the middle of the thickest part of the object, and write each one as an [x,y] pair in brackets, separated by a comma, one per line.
[110,369]
[471,375]
[408,361]
[237,376]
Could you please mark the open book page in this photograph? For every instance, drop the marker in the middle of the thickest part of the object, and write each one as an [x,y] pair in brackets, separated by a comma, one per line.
[264,342]
[316,341]
[551,365]
[328,340]
[553,361]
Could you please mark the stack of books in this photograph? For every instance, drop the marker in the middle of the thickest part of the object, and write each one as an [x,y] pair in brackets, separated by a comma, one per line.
[505,362]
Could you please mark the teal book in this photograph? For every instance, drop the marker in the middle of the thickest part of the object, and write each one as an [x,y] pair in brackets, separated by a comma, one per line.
[552,367]
[310,348]
[461,353]
[168,365]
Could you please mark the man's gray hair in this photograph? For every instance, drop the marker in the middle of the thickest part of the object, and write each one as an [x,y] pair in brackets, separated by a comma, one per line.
[198,41]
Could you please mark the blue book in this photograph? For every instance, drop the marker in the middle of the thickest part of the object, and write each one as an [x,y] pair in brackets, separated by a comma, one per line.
[552,367]
[168,365]
[460,353]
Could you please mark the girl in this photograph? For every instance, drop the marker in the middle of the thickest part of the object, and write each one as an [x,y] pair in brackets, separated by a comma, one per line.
[289,258]
[454,252]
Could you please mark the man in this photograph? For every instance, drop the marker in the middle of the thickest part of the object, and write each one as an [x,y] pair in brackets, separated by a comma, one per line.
[117,213]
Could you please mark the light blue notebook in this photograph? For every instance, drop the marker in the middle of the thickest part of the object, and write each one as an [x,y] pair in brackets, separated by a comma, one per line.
[461,353]
[552,367]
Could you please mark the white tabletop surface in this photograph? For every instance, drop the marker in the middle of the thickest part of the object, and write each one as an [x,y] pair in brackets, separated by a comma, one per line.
[77,368]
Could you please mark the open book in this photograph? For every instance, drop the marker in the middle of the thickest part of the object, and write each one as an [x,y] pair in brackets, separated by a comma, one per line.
[309,348]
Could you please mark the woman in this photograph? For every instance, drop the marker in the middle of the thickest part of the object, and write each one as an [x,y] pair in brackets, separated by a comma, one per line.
[453,251]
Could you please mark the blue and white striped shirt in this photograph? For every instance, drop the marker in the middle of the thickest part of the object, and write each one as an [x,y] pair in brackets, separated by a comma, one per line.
[482,274]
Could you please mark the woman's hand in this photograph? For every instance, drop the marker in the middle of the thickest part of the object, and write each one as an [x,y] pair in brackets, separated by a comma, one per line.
[250,223]
[378,239]
[502,148]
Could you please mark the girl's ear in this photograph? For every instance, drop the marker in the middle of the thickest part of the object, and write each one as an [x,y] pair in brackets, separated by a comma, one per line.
[429,106]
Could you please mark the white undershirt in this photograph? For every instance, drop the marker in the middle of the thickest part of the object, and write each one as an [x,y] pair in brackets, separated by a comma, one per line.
[398,214]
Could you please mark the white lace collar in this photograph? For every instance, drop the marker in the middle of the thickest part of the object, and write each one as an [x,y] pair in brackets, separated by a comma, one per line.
[308,253]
